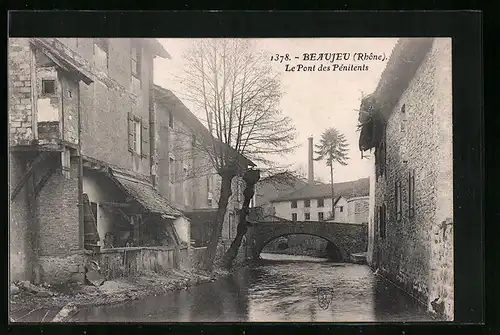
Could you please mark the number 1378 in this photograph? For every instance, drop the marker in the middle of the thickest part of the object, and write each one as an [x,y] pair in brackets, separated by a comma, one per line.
[280,58]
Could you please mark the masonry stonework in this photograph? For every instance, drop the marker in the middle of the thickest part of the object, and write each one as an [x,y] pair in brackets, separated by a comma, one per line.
[20,250]
[415,251]
[58,213]
[105,104]
[20,92]
[348,238]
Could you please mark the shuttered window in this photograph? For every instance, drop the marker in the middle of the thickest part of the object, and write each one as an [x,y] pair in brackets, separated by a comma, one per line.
[144,138]
[411,194]
[138,135]
[398,200]
[382,221]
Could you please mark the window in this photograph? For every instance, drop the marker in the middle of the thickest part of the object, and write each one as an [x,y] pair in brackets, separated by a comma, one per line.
[307,203]
[209,191]
[171,169]
[341,209]
[403,119]
[321,202]
[382,220]
[137,136]
[398,200]
[380,157]
[136,59]
[294,204]
[307,216]
[170,120]
[48,87]
[321,216]
[411,194]
[294,217]
[101,49]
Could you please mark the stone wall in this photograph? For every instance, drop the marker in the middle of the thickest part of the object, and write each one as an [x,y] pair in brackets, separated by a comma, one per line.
[105,103]
[20,248]
[299,245]
[61,269]
[58,212]
[20,91]
[410,251]
[348,238]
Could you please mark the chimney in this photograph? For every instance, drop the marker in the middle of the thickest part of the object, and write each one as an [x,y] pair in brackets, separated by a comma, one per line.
[310,174]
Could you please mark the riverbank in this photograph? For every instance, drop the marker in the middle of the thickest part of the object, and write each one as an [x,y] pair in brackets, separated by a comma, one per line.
[28,297]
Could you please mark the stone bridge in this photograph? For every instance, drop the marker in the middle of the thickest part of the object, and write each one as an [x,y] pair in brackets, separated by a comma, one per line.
[348,238]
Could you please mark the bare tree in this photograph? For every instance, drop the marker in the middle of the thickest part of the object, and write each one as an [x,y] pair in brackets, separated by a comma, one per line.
[239,93]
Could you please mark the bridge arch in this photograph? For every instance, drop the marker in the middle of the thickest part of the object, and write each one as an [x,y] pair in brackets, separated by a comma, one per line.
[340,253]
[348,238]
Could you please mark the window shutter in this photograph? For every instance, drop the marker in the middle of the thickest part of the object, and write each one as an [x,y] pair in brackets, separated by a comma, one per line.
[144,138]
[130,132]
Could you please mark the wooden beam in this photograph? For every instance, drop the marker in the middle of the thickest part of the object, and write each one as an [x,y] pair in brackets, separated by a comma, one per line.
[20,184]
[115,204]
[44,179]
[175,236]
[123,215]
[118,211]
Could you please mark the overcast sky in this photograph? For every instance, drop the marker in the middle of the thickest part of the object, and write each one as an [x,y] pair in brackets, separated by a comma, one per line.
[314,100]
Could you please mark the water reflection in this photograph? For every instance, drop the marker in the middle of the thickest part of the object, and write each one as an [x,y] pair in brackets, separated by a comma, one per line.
[274,291]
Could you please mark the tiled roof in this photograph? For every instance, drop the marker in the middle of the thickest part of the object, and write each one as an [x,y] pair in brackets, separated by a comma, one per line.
[350,189]
[148,197]
[276,186]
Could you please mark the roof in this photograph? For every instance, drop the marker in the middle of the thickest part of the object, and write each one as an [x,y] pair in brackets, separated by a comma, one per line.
[276,186]
[65,58]
[180,111]
[406,57]
[350,189]
[147,197]
[157,48]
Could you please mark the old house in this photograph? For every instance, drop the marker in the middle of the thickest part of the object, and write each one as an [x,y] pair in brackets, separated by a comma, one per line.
[273,187]
[313,202]
[407,121]
[186,172]
[81,124]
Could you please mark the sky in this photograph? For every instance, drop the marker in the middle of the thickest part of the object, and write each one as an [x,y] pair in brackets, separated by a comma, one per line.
[314,100]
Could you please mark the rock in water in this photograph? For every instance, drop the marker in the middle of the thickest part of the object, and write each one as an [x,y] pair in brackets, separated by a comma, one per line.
[95,278]
[65,313]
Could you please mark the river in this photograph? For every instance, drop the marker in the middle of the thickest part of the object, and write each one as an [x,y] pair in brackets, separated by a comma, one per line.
[278,288]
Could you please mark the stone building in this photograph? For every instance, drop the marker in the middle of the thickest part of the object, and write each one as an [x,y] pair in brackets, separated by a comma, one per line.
[185,172]
[407,121]
[81,159]
[314,202]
